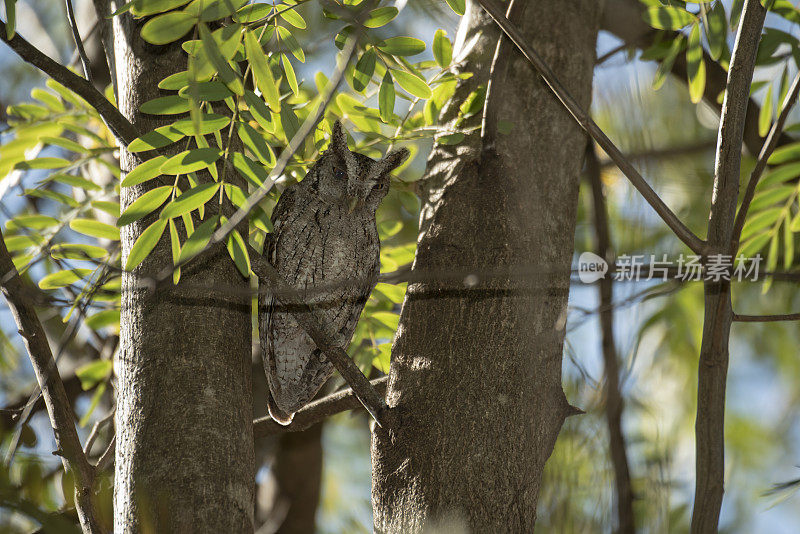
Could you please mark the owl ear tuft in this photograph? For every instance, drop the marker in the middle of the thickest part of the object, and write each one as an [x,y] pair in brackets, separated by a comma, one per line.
[395,158]
[339,138]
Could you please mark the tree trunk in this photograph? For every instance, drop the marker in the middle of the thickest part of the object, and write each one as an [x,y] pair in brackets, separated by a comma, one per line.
[476,364]
[184,454]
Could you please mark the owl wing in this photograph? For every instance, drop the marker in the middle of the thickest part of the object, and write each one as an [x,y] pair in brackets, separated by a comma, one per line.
[267,302]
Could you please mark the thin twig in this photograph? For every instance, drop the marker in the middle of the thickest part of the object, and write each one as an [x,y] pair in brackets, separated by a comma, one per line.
[107,458]
[766,151]
[316,411]
[96,431]
[76,36]
[121,127]
[585,121]
[614,403]
[766,318]
[308,321]
[58,406]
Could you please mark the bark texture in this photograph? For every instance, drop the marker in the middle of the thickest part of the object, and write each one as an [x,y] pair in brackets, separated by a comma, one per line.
[184,455]
[476,366]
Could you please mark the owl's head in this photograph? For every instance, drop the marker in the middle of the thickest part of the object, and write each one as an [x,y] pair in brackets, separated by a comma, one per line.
[367,179]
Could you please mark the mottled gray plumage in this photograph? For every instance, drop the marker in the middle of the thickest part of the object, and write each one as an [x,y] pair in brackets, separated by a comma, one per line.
[324,235]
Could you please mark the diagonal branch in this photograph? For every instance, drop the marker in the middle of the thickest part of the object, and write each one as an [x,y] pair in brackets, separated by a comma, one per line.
[306,318]
[585,121]
[55,397]
[315,412]
[121,127]
[766,151]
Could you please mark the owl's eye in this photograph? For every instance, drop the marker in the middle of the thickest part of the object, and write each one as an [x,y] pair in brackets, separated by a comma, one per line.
[339,173]
[379,187]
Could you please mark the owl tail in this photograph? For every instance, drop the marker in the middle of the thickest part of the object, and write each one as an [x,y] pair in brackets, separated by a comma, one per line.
[280,417]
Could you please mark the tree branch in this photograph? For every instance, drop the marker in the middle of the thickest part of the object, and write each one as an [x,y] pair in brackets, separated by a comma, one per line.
[76,36]
[713,367]
[763,157]
[667,215]
[766,318]
[316,411]
[307,319]
[121,127]
[614,402]
[55,397]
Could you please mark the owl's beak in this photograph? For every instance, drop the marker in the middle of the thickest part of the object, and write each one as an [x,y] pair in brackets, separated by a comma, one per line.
[352,203]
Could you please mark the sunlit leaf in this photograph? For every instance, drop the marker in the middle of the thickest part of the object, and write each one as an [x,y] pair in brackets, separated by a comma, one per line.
[198,240]
[191,161]
[402,46]
[459,6]
[411,83]
[165,105]
[64,278]
[95,228]
[144,171]
[668,17]
[77,251]
[442,49]
[765,115]
[168,27]
[380,17]
[364,69]
[695,65]
[262,71]
[145,243]
[386,98]
[191,200]
[145,205]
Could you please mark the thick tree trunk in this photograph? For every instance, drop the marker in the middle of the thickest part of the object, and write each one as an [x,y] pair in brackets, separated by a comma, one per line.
[184,454]
[476,365]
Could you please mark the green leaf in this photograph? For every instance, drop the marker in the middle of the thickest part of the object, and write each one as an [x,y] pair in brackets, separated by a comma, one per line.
[175,244]
[224,70]
[717,30]
[191,200]
[411,83]
[145,243]
[43,163]
[291,78]
[145,205]
[695,66]
[252,13]
[765,115]
[94,228]
[250,170]
[290,41]
[210,10]
[173,82]
[289,122]
[77,251]
[198,240]
[191,161]
[442,49]
[380,17]
[262,71]
[49,99]
[158,138]
[292,17]
[168,27]
[450,139]
[256,143]
[103,319]
[790,152]
[668,17]
[238,253]
[64,143]
[37,222]
[143,8]
[165,105]
[11,18]
[402,46]
[459,6]
[788,246]
[759,221]
[108,206]
[386,98]
[389,319]
[259,111]
[364,69]
[771,196]
[64,278]
[211,91]
[93,373]
[207,123]
[15,243]
[146,170]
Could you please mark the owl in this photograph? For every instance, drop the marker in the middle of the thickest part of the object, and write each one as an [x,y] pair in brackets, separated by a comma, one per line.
[325,244]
